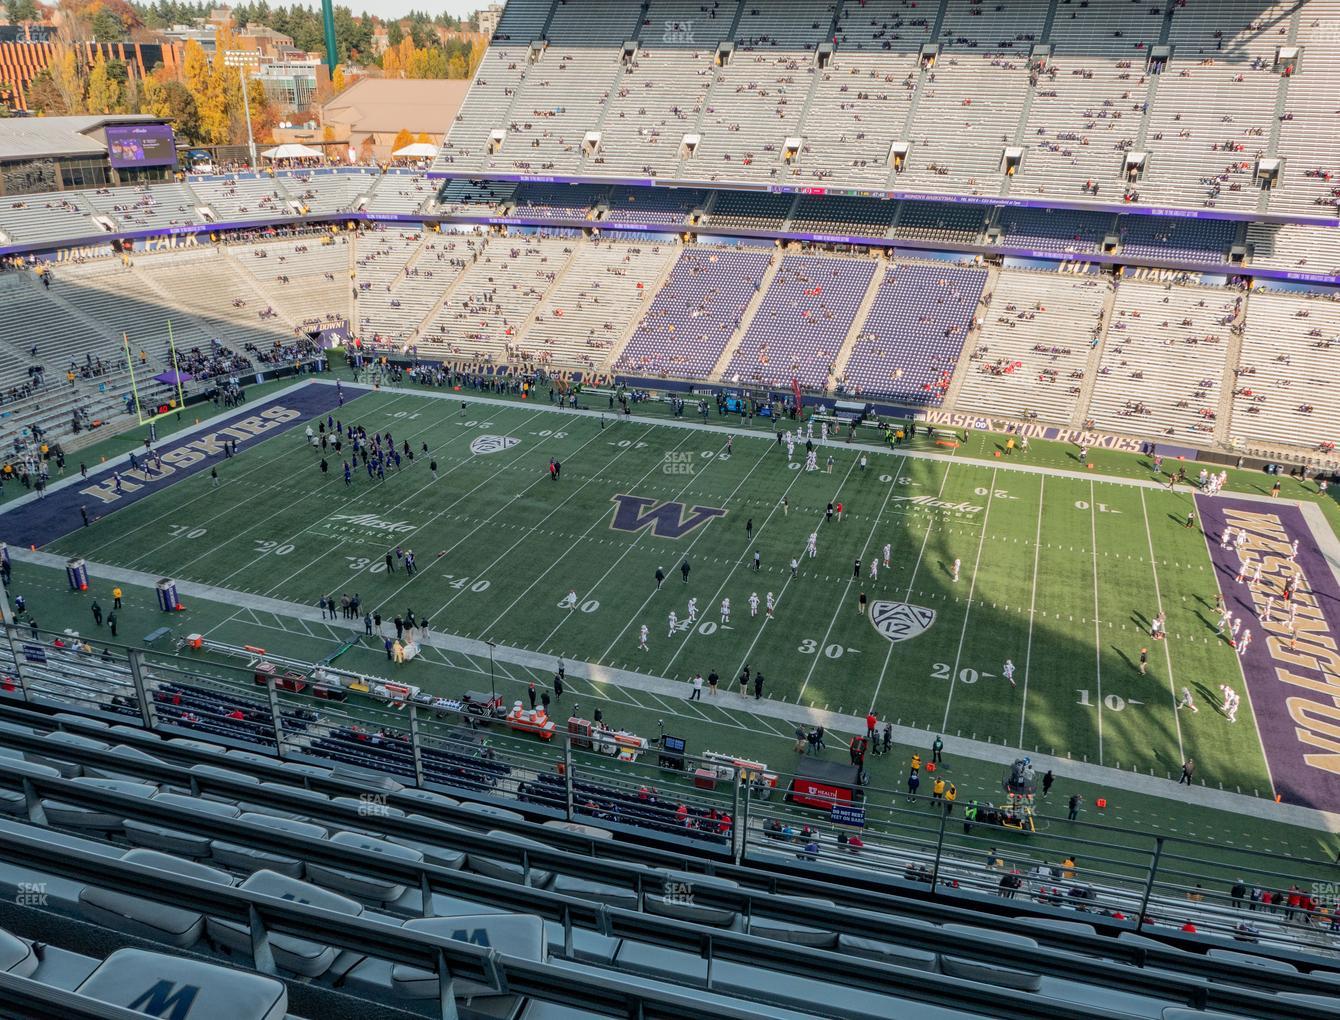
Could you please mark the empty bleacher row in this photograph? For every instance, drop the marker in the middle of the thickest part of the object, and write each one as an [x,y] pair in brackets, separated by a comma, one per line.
[1030,97]
[659,96]
[600,802]
[192,844]
[1162,366]
[398,276]
[1032,352]
[1284,382]
[303,279]
[909,344]
[695,313]
[324,191]
[280,199]
[644,308]
[481,317]
[799,328]
[245,197]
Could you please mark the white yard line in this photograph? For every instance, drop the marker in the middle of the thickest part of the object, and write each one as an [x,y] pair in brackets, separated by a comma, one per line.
[567,499]
[539,480]
[209,494]
[683,558]
[967,611]
[1097,626]
[787,582]
[715,600]
[1242,672]
[403,537]
[573,547]
[1032,603]
[283,509]
[911,581]
[841,604]
[1158,602]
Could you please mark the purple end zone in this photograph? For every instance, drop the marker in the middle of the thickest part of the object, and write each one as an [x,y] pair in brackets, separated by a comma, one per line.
[41,521]
[1295,694]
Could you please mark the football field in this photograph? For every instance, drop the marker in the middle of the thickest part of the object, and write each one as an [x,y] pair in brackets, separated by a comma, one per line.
[1059,574]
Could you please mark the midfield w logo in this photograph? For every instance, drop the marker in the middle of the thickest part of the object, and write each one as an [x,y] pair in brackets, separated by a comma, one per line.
[666,520]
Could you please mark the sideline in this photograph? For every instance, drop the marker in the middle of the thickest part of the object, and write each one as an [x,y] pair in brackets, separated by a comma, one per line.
[1133,782]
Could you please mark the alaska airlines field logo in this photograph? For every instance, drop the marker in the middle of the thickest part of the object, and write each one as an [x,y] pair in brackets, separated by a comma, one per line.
[666,520]
[899,621]
[938,504]
[493,444]
[371,522]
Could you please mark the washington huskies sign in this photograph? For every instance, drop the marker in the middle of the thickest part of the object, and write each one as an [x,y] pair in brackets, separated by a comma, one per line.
[492,444]
[899,621]
[666,519]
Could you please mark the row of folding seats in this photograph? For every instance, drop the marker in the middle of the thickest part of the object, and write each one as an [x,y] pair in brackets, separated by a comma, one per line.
[357,887]
[143,981]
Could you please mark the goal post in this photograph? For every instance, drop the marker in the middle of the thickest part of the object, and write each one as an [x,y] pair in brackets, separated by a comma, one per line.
[142,416]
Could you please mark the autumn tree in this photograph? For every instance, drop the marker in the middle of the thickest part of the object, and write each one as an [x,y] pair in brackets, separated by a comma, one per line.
[45,97]
[195,68]
[104,92]
[22,12]
[107,26]
[403,137]
[427,63]
[170,99]
[264,114]
[337,80]
[68,79]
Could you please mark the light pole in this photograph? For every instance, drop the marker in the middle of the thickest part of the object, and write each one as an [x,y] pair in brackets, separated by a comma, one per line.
[241,59]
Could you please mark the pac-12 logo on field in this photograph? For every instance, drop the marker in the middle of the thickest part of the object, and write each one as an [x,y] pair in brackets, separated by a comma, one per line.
[666,520]
[493,444]
[899,621]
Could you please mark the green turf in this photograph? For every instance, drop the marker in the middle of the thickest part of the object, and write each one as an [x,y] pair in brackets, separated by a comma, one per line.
[1116,839]
[1057,574]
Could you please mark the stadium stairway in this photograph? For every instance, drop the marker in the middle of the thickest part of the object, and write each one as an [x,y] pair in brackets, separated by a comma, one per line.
[963,366]
[1091,366]
[1232,361]
[734,9]
[431,315]
[857,324]
[755,302]
[524,326]
[343,879]
[653,288]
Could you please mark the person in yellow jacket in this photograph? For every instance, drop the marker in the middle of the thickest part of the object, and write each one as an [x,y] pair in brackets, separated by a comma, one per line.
[938,788]
[116,598]
[951,794]
[916,763]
